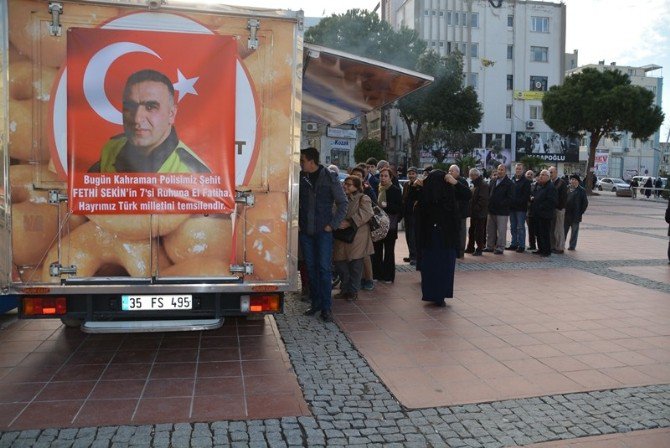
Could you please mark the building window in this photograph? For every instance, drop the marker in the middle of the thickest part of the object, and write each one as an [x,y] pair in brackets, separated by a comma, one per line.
[510,21]
[473,80]
[425,12]
[508,111]
[441,44]
[432,44]
[539,83]
[441,13]
[535,112]
[448,47]
[510,82]
[474,50]
[448,17]
[464,19]
[510,52]
[474,20]
[433,12]
[456,18]
[539,54]
[540,24]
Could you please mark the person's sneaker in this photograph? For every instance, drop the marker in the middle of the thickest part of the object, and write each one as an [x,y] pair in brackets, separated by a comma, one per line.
[498,252]
[341,296]
[326,316]
[532,247]
[520,250]
[486,249]
[352,297]
[311,311]
[367,285]
[571,248]
[477,253]
[512,247]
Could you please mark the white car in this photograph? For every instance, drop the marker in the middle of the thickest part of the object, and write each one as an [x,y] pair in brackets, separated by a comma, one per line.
[612,184]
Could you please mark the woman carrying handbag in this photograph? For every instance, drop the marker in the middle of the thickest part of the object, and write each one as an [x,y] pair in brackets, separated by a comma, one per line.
[352,239]
[390,200]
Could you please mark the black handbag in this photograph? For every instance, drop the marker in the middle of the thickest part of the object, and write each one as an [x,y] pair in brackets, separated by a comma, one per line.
[345,235]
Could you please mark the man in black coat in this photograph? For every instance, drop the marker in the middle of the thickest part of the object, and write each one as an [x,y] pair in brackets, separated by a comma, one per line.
[574,209]
[499,209]
[557,227]
[542,205]
[463,207]
[520,197]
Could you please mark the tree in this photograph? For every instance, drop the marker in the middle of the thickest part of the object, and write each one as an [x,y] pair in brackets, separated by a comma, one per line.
[445,103]
[465,162]
[600,104]
[533,163]
[368,148]
[441,142]
[362,33]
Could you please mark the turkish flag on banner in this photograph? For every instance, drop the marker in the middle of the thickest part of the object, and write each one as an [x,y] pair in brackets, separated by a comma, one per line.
[144,149]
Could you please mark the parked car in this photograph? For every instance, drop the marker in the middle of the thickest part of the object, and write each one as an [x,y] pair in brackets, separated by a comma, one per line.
[612,184]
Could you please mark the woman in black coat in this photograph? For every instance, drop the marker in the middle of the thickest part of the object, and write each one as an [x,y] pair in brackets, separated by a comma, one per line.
[389,199]
[438,229]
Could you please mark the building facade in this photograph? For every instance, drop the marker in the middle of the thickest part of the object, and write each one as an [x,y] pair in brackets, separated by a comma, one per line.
[512,55]
[628,157]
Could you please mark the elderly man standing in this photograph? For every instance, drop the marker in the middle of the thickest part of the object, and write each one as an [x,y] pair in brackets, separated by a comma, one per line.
[499,209]
[322,207]
[479,207]
[520,197]
[557,223]
[463,207]
[542,205]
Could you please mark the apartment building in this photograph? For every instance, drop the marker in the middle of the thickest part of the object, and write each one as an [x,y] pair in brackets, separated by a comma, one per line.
[512,55]
[628,157]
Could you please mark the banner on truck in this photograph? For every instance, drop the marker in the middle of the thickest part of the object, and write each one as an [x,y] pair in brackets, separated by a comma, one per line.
[149,130]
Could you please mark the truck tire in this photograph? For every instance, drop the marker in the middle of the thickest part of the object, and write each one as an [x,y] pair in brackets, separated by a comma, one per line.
[71,322]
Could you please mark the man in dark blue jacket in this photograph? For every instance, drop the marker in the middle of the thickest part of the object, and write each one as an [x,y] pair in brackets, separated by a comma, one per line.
[575,207]
[543,204]
[499,209]
[322,206]
[518,208]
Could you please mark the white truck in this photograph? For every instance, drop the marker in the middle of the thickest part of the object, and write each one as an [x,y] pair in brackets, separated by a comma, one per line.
[132,203]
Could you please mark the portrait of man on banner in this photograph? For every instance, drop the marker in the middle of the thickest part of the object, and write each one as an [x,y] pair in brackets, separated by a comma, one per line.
[138,108]
[149,143]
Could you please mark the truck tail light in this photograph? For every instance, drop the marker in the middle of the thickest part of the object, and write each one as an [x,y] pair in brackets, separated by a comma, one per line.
[265,303]
[44,306]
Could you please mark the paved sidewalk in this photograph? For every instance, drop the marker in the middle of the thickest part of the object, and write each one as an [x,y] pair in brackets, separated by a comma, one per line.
[352,404]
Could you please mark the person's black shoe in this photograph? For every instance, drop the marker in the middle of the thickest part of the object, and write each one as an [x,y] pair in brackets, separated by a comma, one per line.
[412,262]
[571,248]
[520,250]
[311,311]
[469,251]
[498,251]
[406,259]
[486,249]
[512,247]
[326,316]
[545,255]
[478,253]
[537,252]
[532,247]
[556,251]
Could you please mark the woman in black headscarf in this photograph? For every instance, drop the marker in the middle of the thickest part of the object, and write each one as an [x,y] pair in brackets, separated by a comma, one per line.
[438,234]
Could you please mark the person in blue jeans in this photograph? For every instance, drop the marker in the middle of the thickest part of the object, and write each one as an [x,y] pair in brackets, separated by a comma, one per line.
[518,209]
[322,206]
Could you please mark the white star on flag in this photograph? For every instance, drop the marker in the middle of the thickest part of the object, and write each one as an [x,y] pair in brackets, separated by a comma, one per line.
[185,85]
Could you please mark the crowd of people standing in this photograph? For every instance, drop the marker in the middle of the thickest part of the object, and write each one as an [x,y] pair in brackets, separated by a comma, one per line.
[334,223]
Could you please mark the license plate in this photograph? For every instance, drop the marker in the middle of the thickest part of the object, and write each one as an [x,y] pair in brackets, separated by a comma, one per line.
[150,303]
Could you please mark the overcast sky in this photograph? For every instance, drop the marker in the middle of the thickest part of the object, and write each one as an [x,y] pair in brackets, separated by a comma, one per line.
[628,32]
